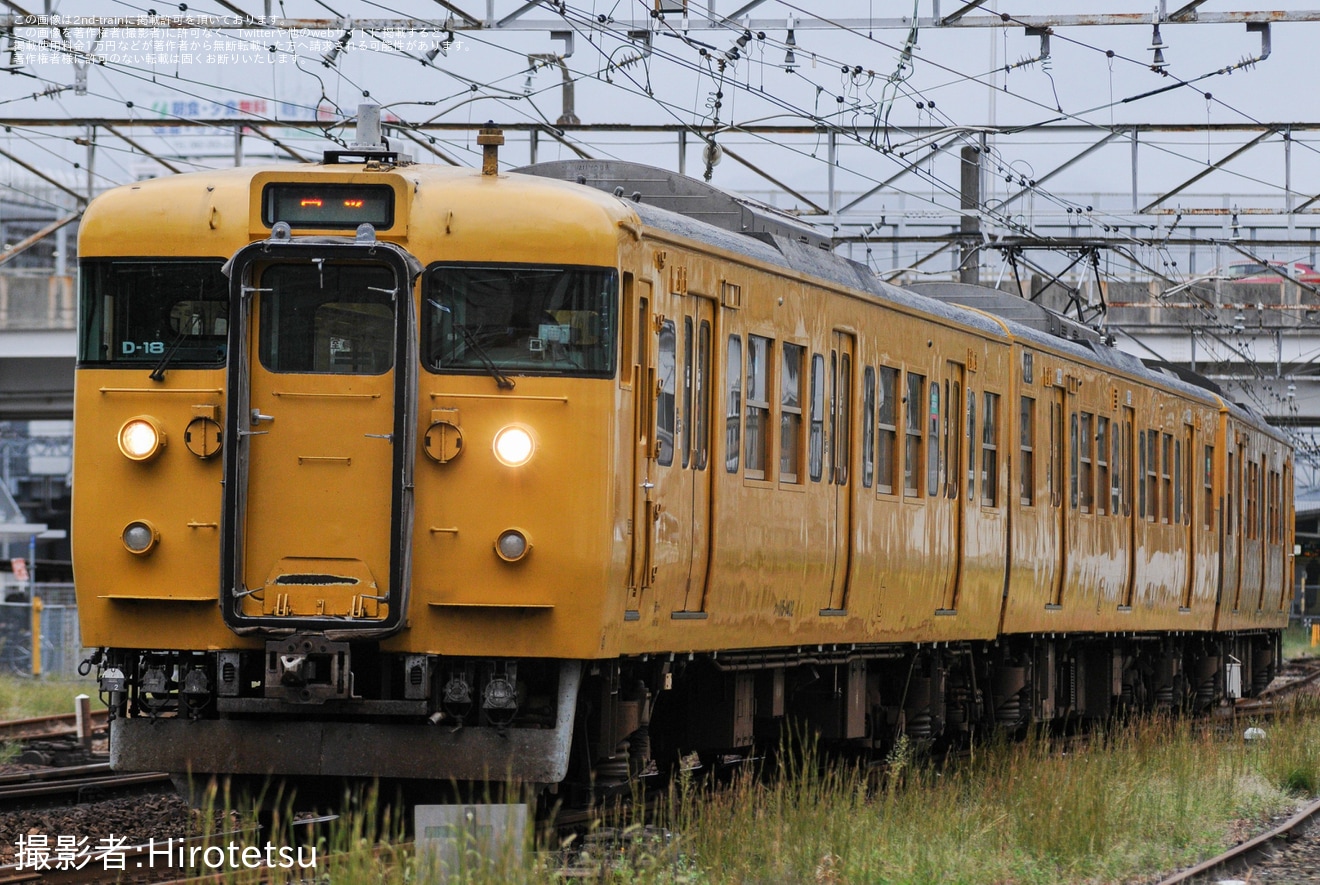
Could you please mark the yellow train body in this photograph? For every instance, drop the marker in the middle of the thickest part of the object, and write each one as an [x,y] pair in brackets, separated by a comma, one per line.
[774,464]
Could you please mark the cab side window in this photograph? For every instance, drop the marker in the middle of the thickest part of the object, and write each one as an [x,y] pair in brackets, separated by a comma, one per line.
[733,414]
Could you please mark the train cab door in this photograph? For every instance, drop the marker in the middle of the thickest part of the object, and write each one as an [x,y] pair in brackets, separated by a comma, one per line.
[318,482]
[642,372]
[840,448]
[671,512]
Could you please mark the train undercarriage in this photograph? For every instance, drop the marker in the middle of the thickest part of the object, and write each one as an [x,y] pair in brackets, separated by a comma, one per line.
[309,707]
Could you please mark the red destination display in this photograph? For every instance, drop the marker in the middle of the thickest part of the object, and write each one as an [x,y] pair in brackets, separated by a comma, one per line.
[318,206]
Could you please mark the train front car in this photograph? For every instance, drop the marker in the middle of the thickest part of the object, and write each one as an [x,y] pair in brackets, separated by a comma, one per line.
[346,500]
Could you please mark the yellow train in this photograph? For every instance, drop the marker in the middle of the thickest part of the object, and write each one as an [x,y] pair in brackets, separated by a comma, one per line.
[400,471]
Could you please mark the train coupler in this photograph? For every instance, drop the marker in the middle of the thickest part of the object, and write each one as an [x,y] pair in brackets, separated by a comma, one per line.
[307,668]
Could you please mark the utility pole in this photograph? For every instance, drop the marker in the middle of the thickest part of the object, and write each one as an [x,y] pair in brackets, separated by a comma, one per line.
[970,230]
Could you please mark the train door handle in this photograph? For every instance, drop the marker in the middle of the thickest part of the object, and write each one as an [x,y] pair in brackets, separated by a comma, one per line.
[257,417]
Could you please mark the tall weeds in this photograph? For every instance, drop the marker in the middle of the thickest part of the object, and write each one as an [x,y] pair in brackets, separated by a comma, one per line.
[1133,799]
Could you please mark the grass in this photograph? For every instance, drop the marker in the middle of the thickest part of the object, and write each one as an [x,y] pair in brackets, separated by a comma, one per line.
[1137,799]
[23,697]
[1297,642]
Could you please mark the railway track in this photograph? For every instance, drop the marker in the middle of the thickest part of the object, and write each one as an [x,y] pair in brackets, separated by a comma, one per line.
[1249,855]
[1300,676]
[73,785]
[48,728]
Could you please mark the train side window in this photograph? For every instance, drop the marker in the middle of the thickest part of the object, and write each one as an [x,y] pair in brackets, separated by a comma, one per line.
[914,419]
[1086,476]
[685,419]
[733,414]
[1073,465]
[951,456]
[1166,479]
[933,441]
[887,424]
[1101,464]
[1251,501]
[1208,482]
[1231,496]
[868,427]
[1027,450]
[1270,498]
[758,406]
[1260,498]
[990,451]
[1141,475]
[1152,475]
[971,444]
[1056,454]
[1177,482]
[1275,522]
[831,409]
[629,356]
[1269,476]
[701,381]
[841,426]
[790,414]
[816,443]
[667,366]
[1120,466]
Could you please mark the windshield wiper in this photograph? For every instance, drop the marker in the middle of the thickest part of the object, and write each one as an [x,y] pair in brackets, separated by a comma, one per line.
[503,381]
[158,373]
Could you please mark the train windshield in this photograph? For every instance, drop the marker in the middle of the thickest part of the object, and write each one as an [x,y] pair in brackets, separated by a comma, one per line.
[134,311]
[521,319]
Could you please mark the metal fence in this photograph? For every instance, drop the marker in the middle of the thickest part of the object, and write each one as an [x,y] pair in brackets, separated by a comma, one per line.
[61,642]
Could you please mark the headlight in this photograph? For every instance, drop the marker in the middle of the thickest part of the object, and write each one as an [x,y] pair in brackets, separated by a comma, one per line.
[513,446]
[140,439]
[511,545]
[140,537]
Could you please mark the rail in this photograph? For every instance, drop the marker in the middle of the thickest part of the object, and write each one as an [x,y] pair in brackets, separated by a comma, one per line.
[1242,856]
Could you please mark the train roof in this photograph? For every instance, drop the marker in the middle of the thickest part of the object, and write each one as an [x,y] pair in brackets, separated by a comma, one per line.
[697,211]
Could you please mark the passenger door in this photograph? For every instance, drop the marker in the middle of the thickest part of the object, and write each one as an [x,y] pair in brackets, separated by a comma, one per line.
[948,501]
[1130,476]
[697,401]
[839,448]
[1058,496]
